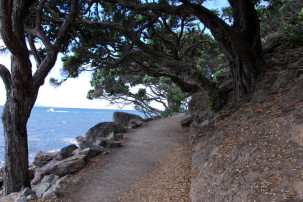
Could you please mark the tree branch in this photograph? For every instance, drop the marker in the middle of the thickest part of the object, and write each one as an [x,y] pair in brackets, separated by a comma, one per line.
[6,77]
[52,51]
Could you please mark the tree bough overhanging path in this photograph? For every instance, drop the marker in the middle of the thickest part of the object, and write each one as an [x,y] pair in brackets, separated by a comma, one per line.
[58,24]
[154,163]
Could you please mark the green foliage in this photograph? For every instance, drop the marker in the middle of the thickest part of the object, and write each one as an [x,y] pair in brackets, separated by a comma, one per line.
[212,103]
[168,112]
[219,71]
[279,20]
[292,30]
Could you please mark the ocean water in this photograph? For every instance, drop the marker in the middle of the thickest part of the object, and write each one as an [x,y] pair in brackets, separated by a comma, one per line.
[50,129]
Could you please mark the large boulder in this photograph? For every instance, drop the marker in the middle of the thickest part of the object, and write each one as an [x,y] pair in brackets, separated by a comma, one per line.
[69,165]
[85,144]
[42,158]
[122,118]
[42,171]
[134,123]
[68,151]
[103,129]
[91,151]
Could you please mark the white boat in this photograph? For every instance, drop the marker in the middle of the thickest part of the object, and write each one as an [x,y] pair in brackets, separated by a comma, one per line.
[51,110]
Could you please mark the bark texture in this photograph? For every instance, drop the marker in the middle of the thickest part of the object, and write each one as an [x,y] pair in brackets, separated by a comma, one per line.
[21,85]
[240,42]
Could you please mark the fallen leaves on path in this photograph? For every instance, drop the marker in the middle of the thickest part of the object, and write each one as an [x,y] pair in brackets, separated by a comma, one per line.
[170,182]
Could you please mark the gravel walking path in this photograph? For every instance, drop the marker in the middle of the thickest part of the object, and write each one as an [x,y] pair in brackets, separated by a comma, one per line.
[154,164]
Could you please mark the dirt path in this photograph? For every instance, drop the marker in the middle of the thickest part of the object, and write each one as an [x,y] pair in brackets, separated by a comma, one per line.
[153,165]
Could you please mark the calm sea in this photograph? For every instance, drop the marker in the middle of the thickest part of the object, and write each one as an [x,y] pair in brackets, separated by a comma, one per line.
[50,129]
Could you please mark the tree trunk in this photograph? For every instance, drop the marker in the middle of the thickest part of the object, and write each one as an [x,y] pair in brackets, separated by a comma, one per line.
[245,61]
[15,115]
[240,42]
[16,152]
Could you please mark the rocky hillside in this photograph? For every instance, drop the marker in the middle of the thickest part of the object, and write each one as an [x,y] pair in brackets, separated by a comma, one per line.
[253,150]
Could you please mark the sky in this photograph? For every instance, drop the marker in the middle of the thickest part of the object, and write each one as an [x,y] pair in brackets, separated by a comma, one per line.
[72,93]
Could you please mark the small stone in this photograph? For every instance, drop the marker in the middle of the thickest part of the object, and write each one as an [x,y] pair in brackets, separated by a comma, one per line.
[50,179]
[113,144]
[49,195]
[41,188]
[92,151]
[118,136]
[110,136]
[56,188]
[100,142]
[27,192]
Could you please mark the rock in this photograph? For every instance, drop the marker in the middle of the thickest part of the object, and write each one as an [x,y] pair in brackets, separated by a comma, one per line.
[100,141]
[10,198]
[113,144]
[41,188]
[49,194]
[1,181]
[27,193]
[76,152]
[297,134]
[31,172]
[122,118]
[51,179]
[92,151]
[85,144]
[42,158]
[111,136]
[118,136]
[31,197]
[69,165]
[68,151]
[103,129]
[186,120]
[56,187]
[215,152]
[134,123]
[62,180]
[40,172]
[79,138]
[20,199]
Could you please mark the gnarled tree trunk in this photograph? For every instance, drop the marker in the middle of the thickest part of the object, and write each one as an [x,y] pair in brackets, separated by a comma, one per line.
[21,85]
[15,116]
[16,151]
[240,42]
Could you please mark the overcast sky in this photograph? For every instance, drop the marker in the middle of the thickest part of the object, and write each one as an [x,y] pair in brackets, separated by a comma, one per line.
[72,94]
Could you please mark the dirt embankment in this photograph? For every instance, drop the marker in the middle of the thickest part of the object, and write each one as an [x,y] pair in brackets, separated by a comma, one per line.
[254,151]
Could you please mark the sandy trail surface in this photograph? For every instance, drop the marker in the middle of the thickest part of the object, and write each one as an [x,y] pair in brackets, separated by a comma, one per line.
[153,164]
